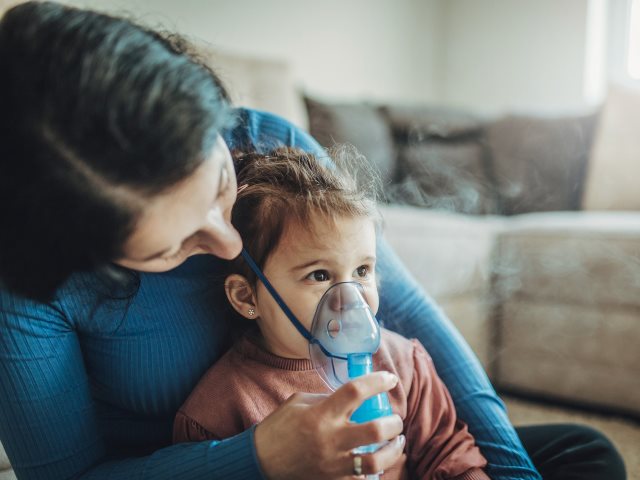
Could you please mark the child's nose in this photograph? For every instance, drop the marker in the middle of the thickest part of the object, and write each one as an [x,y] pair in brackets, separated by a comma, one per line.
[344,296]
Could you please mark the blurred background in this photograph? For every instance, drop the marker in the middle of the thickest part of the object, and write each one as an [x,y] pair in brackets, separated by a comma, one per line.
[488,55]
[506,133]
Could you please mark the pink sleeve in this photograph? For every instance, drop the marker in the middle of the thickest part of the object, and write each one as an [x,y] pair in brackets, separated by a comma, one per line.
[439,445]
[186,429]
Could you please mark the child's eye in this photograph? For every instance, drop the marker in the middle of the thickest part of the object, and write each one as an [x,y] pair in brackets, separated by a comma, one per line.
[318,276]
[362,271]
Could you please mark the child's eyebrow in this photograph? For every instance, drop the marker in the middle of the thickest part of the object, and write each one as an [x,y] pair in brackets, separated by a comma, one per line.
[305,265]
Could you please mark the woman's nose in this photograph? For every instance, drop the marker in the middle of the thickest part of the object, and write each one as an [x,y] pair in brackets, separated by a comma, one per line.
[223,240]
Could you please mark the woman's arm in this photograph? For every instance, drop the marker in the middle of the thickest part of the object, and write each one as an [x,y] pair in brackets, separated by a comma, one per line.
[48,425]
[406,309]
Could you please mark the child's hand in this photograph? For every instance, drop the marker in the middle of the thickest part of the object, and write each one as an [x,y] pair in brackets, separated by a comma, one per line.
[310,436]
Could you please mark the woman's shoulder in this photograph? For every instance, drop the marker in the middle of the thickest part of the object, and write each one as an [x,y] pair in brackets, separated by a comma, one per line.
[265,131]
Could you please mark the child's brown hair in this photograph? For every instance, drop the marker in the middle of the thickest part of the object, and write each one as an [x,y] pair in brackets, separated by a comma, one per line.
[288,185]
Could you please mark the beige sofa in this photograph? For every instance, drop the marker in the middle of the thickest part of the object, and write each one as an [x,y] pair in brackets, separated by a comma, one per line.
[6,473]
[531,241]
[548,301]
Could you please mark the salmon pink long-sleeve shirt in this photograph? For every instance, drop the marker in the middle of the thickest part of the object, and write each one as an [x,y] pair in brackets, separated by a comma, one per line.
[248,383]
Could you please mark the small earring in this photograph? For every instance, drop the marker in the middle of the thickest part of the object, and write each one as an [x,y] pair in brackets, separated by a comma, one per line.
[251,312]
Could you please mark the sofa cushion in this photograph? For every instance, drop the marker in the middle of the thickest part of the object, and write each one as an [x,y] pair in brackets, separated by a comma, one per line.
[470,313]
[539,163]
[568,288]
[614,167]
[357,124]
[583,354]
[415,123]
[267,85]
[441,160]
[585,258]
[4,461]
[449,254]
[444,175]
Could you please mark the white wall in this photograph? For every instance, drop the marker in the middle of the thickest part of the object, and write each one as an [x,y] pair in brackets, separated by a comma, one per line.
[514,54]
[338,48]
[487,55]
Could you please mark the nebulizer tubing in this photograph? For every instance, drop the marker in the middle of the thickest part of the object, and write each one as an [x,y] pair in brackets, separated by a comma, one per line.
[357,363]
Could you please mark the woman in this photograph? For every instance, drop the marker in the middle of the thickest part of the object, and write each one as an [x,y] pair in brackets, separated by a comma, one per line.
[115,175]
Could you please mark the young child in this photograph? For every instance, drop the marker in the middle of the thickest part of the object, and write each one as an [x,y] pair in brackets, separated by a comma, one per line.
[309,227]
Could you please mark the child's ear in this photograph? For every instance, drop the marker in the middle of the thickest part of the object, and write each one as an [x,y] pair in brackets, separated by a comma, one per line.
[240,295]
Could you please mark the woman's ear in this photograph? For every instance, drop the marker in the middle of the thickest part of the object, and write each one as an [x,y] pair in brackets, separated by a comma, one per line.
[240,295]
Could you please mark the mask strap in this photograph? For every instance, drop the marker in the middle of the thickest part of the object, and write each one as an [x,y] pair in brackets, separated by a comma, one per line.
[296,323]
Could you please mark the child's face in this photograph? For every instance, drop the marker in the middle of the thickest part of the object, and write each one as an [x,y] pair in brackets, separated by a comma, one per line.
[306,262]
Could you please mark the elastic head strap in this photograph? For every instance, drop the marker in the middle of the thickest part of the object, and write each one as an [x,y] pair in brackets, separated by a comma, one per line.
[276,296]
[287,311]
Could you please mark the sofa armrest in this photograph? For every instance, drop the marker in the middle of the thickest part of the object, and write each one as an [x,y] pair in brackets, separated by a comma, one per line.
[6,473]
[567,285]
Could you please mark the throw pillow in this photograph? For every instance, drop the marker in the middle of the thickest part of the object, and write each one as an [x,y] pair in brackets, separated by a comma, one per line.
[539,162]
[614,166]
[357,124]
[448,176]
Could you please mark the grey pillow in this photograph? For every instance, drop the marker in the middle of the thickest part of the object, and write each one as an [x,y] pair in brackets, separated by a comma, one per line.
[360,125]
[445,176]
[539,162]
[415,123]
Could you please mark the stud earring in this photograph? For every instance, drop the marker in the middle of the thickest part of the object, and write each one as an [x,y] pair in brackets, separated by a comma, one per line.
[251,312]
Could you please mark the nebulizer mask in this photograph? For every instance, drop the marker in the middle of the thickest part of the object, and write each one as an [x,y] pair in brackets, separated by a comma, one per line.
[344,336]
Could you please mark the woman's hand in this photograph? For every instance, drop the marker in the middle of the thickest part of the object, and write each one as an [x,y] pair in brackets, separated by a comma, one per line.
[310,436]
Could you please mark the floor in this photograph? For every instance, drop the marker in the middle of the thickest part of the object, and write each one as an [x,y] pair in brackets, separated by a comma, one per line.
[623,432]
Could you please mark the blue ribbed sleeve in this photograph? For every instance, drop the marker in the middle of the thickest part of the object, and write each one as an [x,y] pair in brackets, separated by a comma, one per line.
[231,459]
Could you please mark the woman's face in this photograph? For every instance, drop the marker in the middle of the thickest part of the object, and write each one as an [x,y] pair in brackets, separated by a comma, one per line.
[193,217]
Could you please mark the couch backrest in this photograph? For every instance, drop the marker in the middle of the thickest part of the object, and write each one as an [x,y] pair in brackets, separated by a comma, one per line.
[449,159]
[4,461]
[614,167]
[258,83]
[539,163]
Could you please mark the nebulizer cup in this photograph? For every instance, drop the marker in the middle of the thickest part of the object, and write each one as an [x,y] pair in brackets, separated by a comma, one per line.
[345,335]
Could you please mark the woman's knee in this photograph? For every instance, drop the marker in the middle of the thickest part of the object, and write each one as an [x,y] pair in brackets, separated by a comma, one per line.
[572,452]
[600,450]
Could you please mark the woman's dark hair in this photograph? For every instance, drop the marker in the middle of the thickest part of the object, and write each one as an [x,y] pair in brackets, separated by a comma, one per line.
[97,114]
